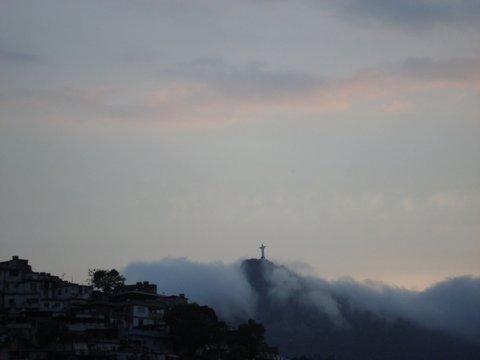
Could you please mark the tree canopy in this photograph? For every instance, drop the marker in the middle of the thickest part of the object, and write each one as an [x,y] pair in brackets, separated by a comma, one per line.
[196,328]
[105,280]
[193,326]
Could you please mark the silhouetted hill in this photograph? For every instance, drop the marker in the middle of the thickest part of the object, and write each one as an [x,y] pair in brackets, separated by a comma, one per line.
[302,321]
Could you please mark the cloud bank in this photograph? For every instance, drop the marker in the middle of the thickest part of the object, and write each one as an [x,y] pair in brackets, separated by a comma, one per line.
[214,90]
[210,90]
[216,284]
[452,305]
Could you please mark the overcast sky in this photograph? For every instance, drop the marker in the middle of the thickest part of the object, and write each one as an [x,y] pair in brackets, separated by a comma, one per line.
[343,134]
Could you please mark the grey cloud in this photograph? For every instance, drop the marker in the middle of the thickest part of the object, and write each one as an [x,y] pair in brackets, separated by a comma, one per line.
[257,82]
[452,305]
[417,13]
[427,69]
[15,57]
[250,81]
[232,86]
[215,284]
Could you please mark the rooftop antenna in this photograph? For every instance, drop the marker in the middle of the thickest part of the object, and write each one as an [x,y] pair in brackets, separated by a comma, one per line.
[262,249]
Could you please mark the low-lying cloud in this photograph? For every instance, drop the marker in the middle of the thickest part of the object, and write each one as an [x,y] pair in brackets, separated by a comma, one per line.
[216,284]
[452,305]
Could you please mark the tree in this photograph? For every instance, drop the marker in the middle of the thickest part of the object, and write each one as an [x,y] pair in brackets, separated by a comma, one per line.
[192,327]
[105,280]
[251,336]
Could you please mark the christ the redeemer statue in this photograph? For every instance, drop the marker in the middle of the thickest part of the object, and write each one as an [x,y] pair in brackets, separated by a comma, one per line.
[262,249]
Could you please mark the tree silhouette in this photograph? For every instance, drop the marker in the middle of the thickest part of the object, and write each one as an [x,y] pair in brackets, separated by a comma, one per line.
[105,280]
[192,327]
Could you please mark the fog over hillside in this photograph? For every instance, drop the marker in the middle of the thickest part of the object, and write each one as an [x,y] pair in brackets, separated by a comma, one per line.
[222,286]
[290,304]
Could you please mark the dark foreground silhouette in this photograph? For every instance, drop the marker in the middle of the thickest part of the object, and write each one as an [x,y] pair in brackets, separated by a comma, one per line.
[44,317]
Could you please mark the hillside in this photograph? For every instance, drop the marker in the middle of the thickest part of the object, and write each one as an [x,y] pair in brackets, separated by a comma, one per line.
[301,327]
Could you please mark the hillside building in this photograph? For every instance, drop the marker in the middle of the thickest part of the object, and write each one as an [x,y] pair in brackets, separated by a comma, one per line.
[24,290]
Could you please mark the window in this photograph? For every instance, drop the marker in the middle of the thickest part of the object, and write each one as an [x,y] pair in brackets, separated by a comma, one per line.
[11,302]
[33,286]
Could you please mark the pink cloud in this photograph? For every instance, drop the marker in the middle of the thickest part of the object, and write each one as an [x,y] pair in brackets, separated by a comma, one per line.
[212,92]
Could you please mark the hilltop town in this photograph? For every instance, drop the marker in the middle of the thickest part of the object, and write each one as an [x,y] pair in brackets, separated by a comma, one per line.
[45,317]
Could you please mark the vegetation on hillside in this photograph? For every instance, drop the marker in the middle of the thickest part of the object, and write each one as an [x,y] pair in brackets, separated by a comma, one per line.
[105,280]
[196,331]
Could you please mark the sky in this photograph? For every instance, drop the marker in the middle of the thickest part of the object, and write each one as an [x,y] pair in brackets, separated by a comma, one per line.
[342,134]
